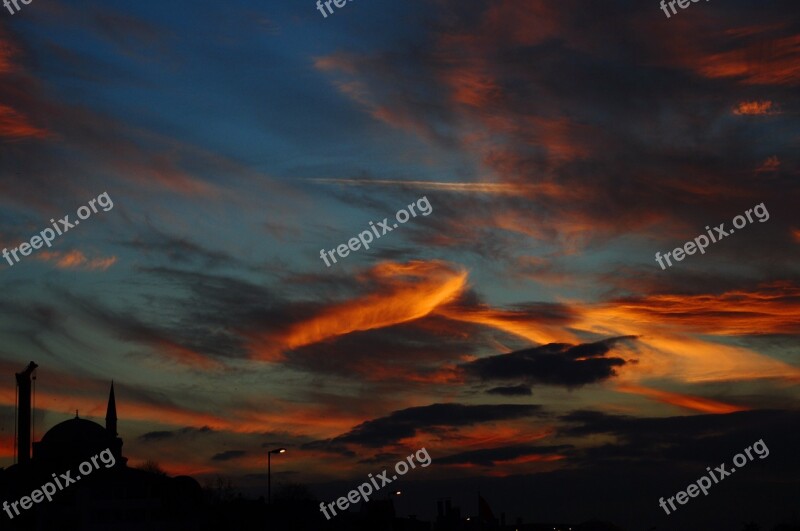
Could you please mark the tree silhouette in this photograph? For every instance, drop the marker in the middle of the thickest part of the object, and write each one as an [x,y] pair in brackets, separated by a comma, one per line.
[293,493]
[219,490]
[153,467]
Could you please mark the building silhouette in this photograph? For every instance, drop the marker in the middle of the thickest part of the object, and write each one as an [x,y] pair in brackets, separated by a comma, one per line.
[112,496]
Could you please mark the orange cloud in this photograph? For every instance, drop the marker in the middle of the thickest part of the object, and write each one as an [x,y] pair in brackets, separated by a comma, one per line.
[380,371]
[772,310]
[361,93]
[15,126]
[185,355]
[771,62]
[76,260]
[512,23]
[505,434]
[336,61]
[161,169]
[518,323]
[755,107]
[561,137]
[673,333]
[318,421]
[408,291]
[769,165]
[471,85]
[693,403]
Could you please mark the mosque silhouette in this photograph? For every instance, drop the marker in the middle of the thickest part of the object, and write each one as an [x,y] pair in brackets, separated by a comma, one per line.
[112,497]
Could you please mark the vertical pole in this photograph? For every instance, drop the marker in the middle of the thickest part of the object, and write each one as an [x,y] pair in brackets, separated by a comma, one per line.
[24,418]
[269,478]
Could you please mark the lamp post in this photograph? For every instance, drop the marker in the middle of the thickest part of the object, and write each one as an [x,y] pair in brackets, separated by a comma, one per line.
[389,497]
[269,472]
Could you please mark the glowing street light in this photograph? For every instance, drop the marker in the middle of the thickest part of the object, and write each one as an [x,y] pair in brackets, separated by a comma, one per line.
[269,471]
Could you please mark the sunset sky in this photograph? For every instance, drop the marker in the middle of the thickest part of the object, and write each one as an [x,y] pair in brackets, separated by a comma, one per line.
[522,332]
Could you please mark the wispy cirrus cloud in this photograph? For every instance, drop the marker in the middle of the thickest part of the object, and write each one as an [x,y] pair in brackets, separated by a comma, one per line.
[456,187]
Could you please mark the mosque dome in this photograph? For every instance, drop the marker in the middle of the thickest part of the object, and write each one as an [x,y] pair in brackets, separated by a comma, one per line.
[76,438]
[77,432]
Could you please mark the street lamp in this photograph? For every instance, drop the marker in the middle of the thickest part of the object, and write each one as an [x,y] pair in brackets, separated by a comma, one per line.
[269,472]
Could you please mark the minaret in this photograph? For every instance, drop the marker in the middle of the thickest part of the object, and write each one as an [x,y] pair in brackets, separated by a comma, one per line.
[111,413]
[24,418]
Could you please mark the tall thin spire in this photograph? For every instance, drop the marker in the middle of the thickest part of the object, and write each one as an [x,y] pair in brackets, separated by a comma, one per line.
[111,413]
[24,412]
